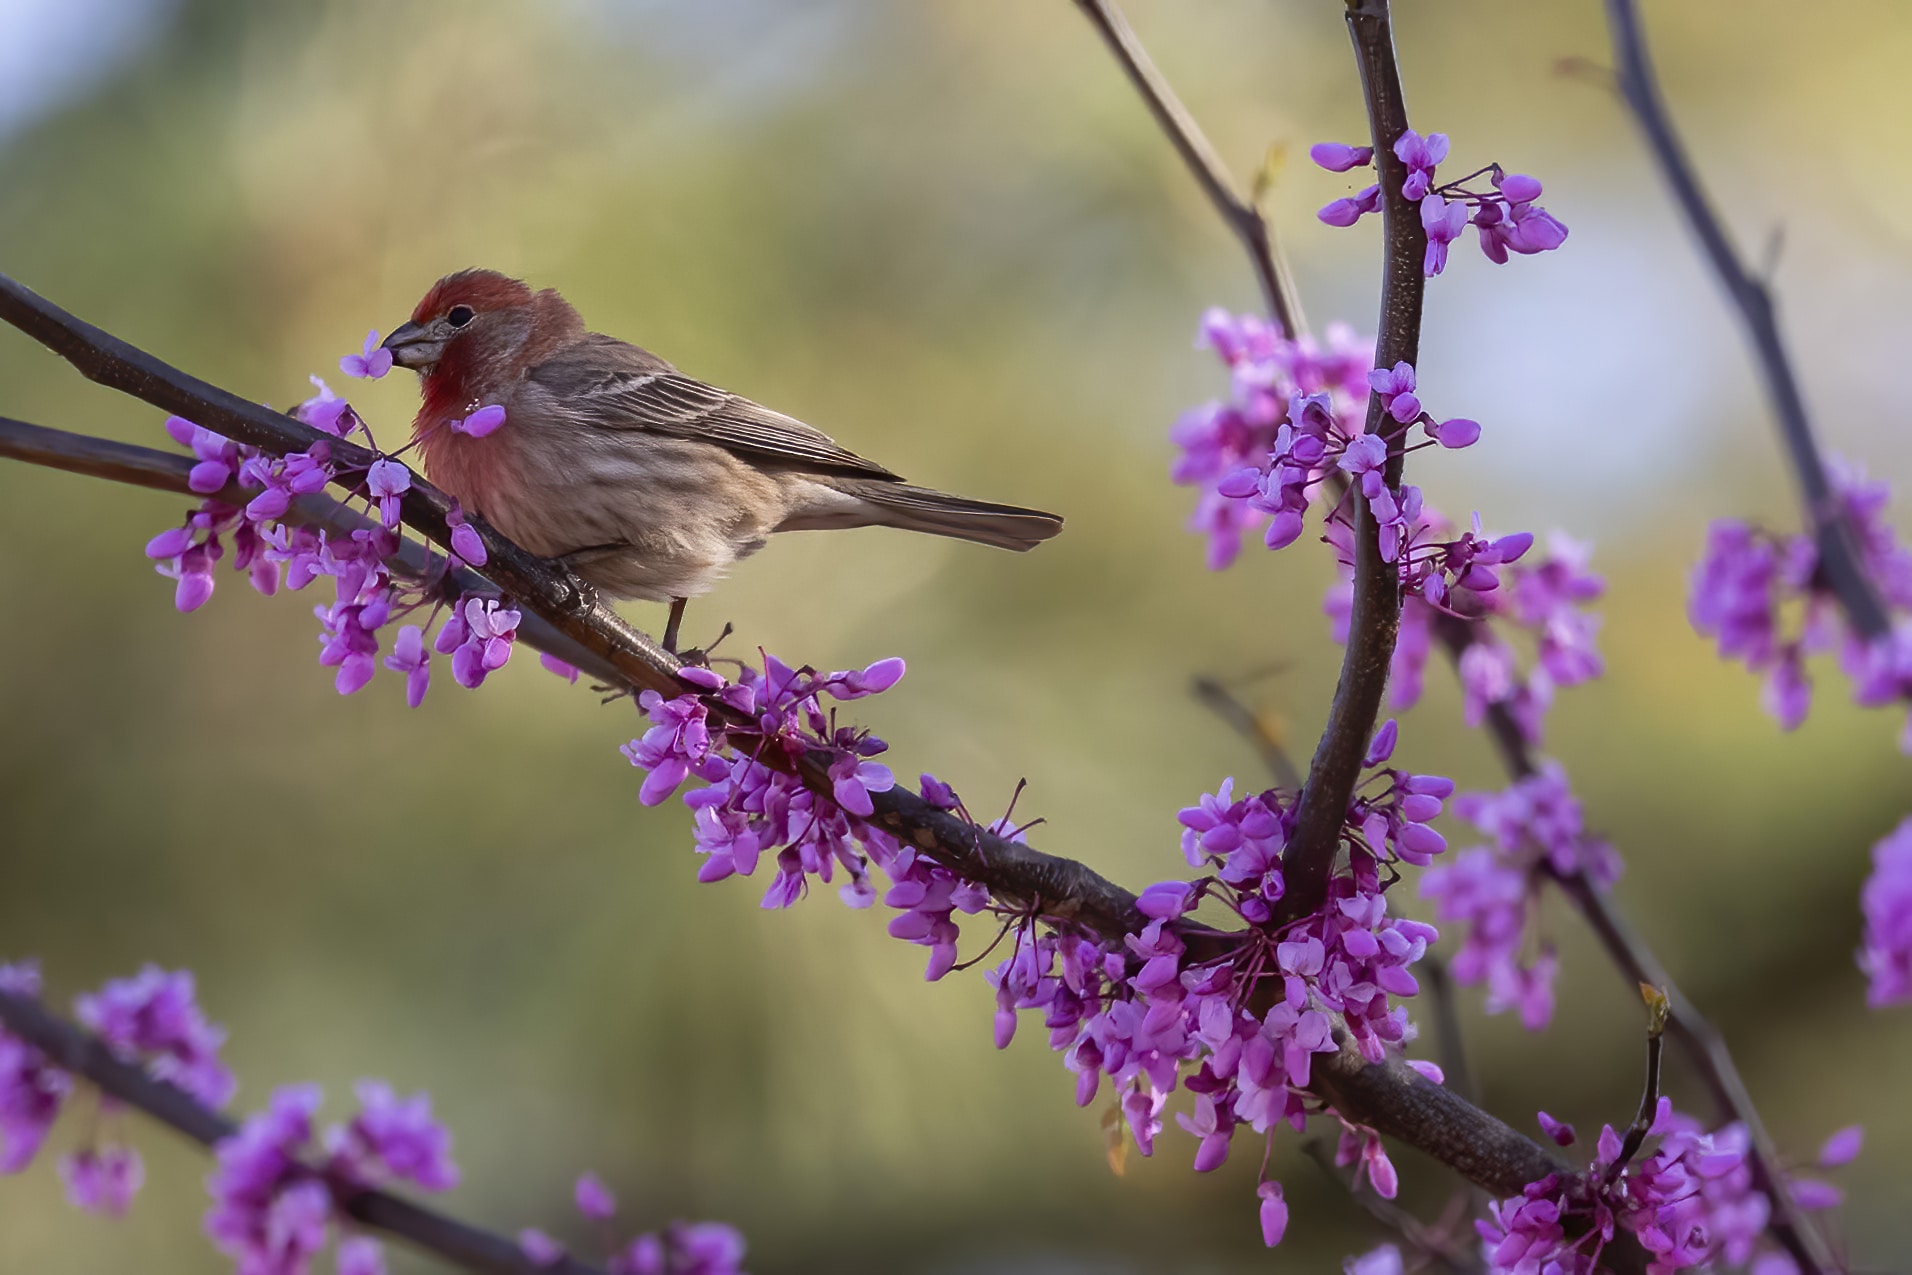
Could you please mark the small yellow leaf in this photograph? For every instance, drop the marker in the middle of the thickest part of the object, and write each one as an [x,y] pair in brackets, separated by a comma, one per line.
[1116,1139]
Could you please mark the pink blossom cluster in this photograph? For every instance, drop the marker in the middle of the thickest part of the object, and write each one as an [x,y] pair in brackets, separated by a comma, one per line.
[1504,213]
[682,1248]
[1749,580]
[1243,1025]
[1296,417]
[1535,826]
[1886,956]
[150,1020]
[275,1207]
[1268,373]
[1690,1203]
[1241,1029]
[477,633]
[751,801]
[1472,577]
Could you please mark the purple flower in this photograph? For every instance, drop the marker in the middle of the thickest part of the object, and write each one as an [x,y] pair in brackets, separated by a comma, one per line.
[410,658]
[552,664]
[31,1089]
[540,1249]
[1456,433]
[481,641]
[1385,1260]
[480,423]
[1842,1147]
[392,1138]
[375,361]
[153,1016]
[388,480]
[1443,222]
[103,1181]
[465,541]
[1345,212]
[361,1255]
[1338,157]
[1274,1213]
[268,1213]
[1886,956]
[594,1199]
[1420,154]
[1396,387]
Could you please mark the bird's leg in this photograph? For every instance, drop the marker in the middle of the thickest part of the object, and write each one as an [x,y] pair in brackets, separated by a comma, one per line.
[671,625]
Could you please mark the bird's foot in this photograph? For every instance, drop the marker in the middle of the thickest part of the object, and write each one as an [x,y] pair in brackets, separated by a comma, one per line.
[700,655]
[583,596]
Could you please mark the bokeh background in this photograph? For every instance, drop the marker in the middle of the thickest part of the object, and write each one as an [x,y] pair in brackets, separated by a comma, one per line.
[949,234]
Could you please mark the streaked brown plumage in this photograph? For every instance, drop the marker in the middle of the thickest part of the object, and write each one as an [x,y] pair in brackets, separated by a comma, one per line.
[647,482]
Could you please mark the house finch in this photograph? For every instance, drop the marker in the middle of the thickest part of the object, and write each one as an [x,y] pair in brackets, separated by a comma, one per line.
[647,483]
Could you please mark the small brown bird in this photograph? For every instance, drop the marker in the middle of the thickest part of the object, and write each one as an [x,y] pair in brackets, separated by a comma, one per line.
[646,482]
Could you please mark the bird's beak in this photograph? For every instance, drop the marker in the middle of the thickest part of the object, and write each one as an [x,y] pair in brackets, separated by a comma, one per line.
[412,346]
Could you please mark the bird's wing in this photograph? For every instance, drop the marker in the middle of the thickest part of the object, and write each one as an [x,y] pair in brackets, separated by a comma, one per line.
[621,386]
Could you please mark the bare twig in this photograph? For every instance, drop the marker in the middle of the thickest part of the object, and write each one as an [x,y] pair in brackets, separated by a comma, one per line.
[1657,1012]
[1432,1243]
[1826,516]
[1238,211]
[83,1054]
[1248,724]
[1375,618]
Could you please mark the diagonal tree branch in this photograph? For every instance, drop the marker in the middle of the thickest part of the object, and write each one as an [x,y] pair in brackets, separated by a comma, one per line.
[1826,516]
[1702,1042]
[1389,1097]
[84,1054]
[1211,174]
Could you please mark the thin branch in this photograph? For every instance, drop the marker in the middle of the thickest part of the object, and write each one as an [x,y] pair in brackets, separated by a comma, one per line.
[1447,1027]
[1431,1242]
[1705,1048]
[1826,516]
[83,1054]
[1389,1097]
[1239,212]
[1248,724]
[1374,621]
[1657,1010]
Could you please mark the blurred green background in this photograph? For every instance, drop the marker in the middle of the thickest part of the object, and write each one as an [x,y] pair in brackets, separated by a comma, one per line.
[948,234]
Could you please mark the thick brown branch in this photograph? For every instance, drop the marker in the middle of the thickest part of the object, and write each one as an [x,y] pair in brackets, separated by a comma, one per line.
[1376,616]
[84,1055]
[1826,516]
[1388,1097]
[1238,212]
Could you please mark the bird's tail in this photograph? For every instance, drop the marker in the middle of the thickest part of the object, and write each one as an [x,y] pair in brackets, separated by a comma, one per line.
[941,514]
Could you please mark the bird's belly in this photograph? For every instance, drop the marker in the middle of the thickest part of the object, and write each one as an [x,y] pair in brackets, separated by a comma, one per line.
[636,515]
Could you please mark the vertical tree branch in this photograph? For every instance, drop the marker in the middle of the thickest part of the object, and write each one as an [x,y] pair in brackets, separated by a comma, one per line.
[1376,615]
[1826,517]
[1238,211]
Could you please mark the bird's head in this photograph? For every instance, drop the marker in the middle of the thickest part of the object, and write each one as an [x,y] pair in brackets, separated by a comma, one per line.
[471,313]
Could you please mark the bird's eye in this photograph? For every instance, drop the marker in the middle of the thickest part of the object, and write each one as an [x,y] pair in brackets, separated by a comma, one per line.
[459,316]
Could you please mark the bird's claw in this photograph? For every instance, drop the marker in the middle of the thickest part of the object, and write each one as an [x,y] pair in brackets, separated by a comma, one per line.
[582,598]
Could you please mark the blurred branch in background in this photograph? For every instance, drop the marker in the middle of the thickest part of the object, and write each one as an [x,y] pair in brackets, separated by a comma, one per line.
[84,1054]
[1237,210]
[1826,516]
